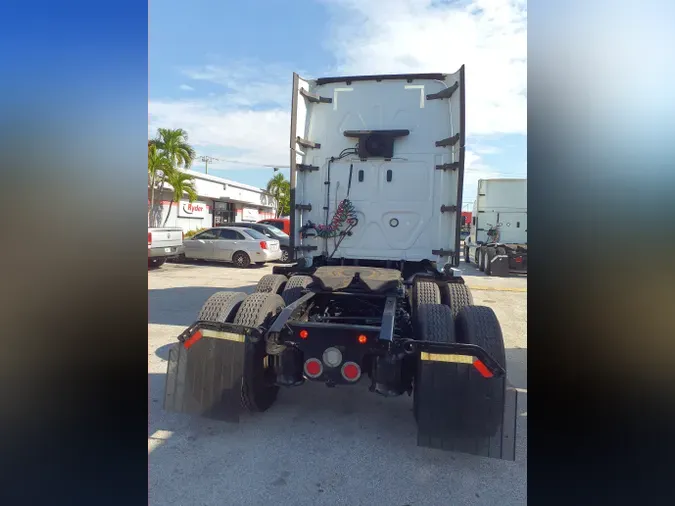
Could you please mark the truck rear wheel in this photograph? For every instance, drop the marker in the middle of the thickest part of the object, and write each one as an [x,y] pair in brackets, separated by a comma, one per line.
[433,383]
[258,391]
[479,325]
[455,406]
[294,288]
[271,283]
[221,307]
[481,259]
[456,296]
[426,292]
[489,255]
[466,255]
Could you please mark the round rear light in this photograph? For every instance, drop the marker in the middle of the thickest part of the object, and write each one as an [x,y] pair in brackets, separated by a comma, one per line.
[313,368]
[351,371]
[363,339]
[332,357]
[303,334]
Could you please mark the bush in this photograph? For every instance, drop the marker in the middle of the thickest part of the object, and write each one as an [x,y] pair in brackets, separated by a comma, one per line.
[190,233]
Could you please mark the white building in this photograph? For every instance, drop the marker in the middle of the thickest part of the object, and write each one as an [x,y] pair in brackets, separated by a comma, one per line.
[220,201]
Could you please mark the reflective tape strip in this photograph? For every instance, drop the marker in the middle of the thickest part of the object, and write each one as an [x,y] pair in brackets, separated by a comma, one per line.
[438,357]
[228,336]
[498,289]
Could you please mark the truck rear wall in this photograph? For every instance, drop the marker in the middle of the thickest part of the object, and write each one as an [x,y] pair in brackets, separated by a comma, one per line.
[397,201]
[502,203]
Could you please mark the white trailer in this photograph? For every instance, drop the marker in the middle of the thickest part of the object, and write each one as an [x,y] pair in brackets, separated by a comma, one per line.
[498,239]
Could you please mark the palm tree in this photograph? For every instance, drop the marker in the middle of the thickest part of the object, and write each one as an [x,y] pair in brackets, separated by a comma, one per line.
[158,166]
[174,144]
[278,187]
[181,183]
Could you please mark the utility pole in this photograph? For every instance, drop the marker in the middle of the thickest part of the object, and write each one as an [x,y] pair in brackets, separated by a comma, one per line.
[206,160]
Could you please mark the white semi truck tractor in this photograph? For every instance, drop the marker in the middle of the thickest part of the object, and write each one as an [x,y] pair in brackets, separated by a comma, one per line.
[497,243]
[374,294]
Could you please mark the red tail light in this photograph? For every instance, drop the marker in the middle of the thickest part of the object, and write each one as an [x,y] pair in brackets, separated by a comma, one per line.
[351,371]
[313,368]
[149,238]
[263,244]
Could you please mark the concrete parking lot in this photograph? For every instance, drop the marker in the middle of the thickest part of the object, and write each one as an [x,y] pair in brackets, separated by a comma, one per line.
[318,445]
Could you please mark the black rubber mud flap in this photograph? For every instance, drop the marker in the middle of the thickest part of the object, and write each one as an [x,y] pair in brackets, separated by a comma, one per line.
[500,446]
[459,405]
[205,379]
[500,266]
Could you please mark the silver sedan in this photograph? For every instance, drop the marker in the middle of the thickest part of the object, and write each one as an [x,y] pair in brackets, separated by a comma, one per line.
[240,246]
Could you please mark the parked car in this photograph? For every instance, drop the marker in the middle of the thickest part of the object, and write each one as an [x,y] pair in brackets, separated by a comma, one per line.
[272,233]
[240,246]
[164,243]
[283,224]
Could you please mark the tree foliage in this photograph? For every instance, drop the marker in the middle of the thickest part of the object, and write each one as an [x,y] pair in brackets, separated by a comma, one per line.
[280,189]
[181,183]
[167,152]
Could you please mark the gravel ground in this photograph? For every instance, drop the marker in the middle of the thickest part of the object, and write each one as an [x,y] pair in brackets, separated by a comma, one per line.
[318,445]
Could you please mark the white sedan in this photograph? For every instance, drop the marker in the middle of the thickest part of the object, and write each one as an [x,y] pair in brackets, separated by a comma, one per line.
[240,246]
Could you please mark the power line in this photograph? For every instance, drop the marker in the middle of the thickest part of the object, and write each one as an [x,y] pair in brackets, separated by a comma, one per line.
[239,162]
[206,160]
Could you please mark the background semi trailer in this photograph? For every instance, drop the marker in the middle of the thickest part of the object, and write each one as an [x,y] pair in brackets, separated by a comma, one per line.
[497,242]
[374,295]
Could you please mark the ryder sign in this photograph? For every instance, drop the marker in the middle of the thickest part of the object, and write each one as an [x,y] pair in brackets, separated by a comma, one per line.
[192,210]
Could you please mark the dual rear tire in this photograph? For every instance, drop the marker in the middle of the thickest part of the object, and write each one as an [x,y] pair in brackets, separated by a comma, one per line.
[454,295]
[258,389]
[449,398]
[453,402]
[273,293]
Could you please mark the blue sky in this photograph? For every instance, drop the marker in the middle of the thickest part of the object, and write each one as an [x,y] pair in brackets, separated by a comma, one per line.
[222,71]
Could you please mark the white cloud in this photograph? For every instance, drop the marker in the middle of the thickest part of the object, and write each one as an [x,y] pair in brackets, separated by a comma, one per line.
[262,135]
[248,84]
[474,169]
[483,149]
[488,36]
[252,112]
[186,87]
